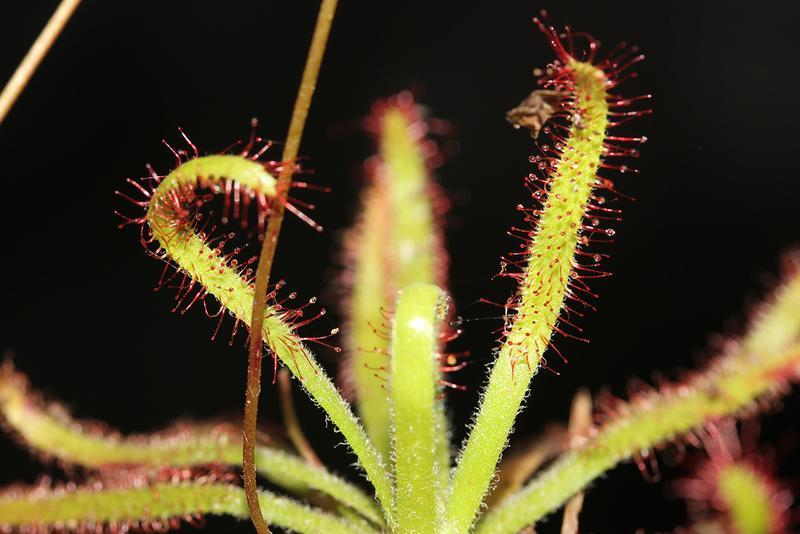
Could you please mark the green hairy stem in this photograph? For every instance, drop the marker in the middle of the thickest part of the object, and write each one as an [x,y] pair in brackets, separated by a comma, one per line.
[53,433]
[551,256]
[368,349]
[395,244]
[747,498]
[156,506]
[415,388]
[731,384]
[190,251]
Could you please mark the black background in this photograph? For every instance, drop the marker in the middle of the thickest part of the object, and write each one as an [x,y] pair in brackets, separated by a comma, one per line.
[715,208]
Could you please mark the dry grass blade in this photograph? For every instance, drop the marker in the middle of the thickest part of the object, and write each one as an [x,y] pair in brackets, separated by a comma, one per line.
[34,57]
[580,421]
[293,428]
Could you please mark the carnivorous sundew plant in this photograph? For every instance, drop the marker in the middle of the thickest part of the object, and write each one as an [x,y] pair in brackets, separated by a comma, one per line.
[397,370]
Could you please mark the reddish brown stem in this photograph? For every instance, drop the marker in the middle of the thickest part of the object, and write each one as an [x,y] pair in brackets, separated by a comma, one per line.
[253,391]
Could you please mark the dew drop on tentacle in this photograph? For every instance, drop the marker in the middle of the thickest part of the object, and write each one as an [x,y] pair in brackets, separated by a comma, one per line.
[181,226]
[571,155]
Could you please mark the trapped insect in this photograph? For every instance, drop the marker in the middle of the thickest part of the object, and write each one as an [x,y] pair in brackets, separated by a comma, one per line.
[535,109]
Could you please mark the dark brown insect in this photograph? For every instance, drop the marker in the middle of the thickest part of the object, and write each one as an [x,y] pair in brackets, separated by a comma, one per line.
[535,110]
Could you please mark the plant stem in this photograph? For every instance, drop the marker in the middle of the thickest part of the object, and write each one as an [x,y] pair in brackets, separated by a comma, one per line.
[748,498]
[544,286]
[49,430]
[154,507]
[762,363]
[253,390]
[653,420]
[414,388]
[395,244]
[293,428]
[35,54]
